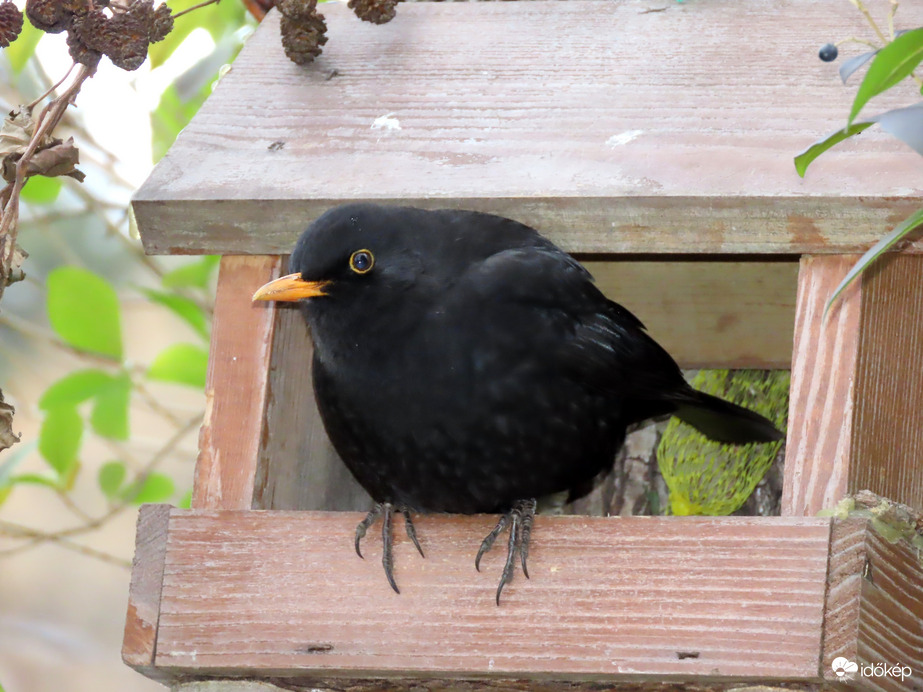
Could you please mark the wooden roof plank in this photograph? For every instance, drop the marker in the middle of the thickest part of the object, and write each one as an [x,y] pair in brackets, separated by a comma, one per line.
[607,126]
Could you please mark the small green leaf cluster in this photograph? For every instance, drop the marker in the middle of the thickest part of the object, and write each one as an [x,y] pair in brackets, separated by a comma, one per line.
[84,312]
[889,66]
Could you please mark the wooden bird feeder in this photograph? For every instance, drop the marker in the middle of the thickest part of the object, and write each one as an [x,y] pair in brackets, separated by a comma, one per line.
[655,141]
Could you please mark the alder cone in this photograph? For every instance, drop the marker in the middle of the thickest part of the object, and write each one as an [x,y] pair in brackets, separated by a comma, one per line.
[297,9]
[374,11]
[48,15]
[10,23]
[302,38]
[161,24]
[122,38]
[76,48]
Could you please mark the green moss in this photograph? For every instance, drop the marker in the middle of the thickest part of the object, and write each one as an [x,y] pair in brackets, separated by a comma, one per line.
[709,478]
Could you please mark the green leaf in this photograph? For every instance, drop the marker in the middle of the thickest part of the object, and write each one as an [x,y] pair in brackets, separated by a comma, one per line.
[185,501]
[110,412]
[893,63]
[75,388]
[903,228]
[156,487]
[806,157]
[23,48]
[182,364]
[110,478]
[59,438]
[184,308]
[41,190]
[83,309]
[196,274]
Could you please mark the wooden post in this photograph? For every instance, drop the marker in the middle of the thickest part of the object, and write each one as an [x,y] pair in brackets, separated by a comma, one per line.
[855,419]
[140,641]
[236,388]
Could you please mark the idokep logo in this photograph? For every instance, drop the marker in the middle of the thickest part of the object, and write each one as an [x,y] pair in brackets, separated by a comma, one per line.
[843,668]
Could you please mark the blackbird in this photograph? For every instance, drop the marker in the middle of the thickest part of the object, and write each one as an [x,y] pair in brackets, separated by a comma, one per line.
[463,363]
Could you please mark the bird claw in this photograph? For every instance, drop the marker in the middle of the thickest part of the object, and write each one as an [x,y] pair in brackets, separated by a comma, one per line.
[386,511]
[519,519]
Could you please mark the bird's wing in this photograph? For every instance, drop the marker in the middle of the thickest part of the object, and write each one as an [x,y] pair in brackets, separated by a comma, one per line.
[567,324]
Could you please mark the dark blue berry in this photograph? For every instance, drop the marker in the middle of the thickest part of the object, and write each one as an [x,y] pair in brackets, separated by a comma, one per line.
[828,52]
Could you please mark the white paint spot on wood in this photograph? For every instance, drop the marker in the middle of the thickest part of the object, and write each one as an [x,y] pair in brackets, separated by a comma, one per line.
[623,138]
[386,122]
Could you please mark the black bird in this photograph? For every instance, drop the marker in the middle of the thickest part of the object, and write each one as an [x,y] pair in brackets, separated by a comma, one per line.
[463,363]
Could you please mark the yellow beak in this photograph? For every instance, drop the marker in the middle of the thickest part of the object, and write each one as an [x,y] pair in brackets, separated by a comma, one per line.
[290,288]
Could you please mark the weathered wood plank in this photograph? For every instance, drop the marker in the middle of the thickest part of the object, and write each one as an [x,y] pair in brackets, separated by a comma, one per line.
[819,446]
[891,613]
[709,313]
[844,581]
[298,467]
[235,391]
[586,122]
[266,594]
[855,420]
[140,640]
[887,434]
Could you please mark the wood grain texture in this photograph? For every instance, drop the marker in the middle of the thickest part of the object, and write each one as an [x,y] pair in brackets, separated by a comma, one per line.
[235,390]
[264,594]
[818,447]
[140,639]
[887,435]
[891,612]
[709,313]
[298,467]
[844,582]
[585,122]
[493,685]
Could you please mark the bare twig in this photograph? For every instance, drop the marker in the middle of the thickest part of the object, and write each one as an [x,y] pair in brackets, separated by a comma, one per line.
[36,537]
[195,7]
[53,86]
[859,5]
[50,117]
[33,331]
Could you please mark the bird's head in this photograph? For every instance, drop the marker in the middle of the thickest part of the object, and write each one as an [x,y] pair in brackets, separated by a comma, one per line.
[356,252]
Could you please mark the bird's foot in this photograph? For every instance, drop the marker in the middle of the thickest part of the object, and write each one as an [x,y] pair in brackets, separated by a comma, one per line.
[519,519]
[386,511]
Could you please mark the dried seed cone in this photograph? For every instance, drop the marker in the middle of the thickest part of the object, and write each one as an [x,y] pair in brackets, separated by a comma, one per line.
[302,38]
[375,11]
[123,38]
[48,15]
[78,50]
[297,9]
[10,23]
[162,23]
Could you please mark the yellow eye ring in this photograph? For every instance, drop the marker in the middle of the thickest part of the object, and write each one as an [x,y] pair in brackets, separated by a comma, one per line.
[362,261]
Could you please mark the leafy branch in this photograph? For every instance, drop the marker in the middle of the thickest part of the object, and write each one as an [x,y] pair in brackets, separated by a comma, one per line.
[891,63]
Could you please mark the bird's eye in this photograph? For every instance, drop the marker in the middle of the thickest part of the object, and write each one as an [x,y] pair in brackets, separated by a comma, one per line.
[361,261]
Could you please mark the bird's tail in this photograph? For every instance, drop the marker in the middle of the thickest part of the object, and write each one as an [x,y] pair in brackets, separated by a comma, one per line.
[723,421]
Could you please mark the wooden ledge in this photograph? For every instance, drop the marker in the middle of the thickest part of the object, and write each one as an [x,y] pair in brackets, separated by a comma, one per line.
[282,594]
[585,121]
